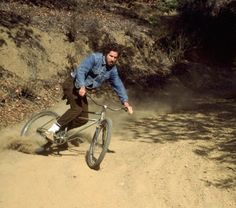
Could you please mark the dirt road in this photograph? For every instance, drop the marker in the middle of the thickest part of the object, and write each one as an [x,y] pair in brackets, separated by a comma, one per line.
[162,159]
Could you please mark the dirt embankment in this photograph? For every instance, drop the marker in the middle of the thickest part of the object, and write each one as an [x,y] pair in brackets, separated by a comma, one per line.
[40,42]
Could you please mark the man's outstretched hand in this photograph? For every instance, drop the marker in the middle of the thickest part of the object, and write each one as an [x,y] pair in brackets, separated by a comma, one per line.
[129,108]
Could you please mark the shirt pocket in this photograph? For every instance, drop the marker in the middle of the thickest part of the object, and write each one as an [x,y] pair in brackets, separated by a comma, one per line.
[94,73]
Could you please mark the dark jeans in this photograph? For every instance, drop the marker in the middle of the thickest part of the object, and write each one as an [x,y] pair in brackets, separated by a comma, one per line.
[78,106]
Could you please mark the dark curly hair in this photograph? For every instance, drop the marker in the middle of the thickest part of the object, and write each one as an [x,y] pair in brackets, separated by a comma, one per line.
[112,47]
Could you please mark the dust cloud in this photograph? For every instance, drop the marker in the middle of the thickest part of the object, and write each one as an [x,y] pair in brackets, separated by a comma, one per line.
[11,140]
[149,104]
[145,104]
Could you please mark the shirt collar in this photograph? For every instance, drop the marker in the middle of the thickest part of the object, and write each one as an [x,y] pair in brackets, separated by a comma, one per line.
[103,61]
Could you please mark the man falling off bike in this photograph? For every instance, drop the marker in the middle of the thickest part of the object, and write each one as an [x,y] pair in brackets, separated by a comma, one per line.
[90,74]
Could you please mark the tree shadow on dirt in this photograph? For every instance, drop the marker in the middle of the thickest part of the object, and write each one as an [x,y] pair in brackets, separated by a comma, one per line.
[224,153]
[203,121]
[211,123]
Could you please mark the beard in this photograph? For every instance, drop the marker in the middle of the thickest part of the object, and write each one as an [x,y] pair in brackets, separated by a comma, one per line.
[110,63]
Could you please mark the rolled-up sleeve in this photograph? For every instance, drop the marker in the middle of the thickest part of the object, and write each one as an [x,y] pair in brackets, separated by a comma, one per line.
[118,85]
[83,69]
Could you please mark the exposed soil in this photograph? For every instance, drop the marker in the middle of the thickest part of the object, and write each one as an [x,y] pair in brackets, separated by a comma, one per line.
[182,157]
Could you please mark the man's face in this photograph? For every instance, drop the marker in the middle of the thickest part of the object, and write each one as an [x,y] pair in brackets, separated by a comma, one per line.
[111,58]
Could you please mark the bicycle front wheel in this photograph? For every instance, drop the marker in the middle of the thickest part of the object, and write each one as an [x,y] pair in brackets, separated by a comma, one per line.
[38,124]
[99,145]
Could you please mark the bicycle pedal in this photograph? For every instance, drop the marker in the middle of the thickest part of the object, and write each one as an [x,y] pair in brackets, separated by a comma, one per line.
[60,138]
[60,135]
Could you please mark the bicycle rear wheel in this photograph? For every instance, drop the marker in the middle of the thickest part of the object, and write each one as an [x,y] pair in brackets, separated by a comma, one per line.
[38,124]
[99,145]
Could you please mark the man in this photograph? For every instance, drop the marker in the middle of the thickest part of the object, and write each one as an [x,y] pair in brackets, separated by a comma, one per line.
[90,74]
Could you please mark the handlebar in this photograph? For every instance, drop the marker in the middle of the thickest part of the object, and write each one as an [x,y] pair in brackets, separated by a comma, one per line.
[105,106]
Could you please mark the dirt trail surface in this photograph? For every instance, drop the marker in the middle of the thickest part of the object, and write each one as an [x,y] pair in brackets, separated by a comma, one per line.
[162,159]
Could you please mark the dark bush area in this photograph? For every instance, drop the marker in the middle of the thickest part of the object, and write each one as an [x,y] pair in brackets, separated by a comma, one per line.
[211,28]
[202,31]
[12,20]
[60,4]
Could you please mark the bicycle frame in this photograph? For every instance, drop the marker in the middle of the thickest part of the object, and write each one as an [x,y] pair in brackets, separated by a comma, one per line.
[62,136]
[93,121]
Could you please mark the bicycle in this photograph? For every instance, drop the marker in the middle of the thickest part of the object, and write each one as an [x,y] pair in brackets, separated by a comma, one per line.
[40,122]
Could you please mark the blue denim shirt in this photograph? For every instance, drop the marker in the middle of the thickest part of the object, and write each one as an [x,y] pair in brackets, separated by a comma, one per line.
[92,72]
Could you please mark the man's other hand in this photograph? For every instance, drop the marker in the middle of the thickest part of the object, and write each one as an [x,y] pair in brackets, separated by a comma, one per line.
[129,108]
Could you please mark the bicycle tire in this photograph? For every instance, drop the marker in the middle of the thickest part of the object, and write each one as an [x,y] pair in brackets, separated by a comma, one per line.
[43,119]
[101,138]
